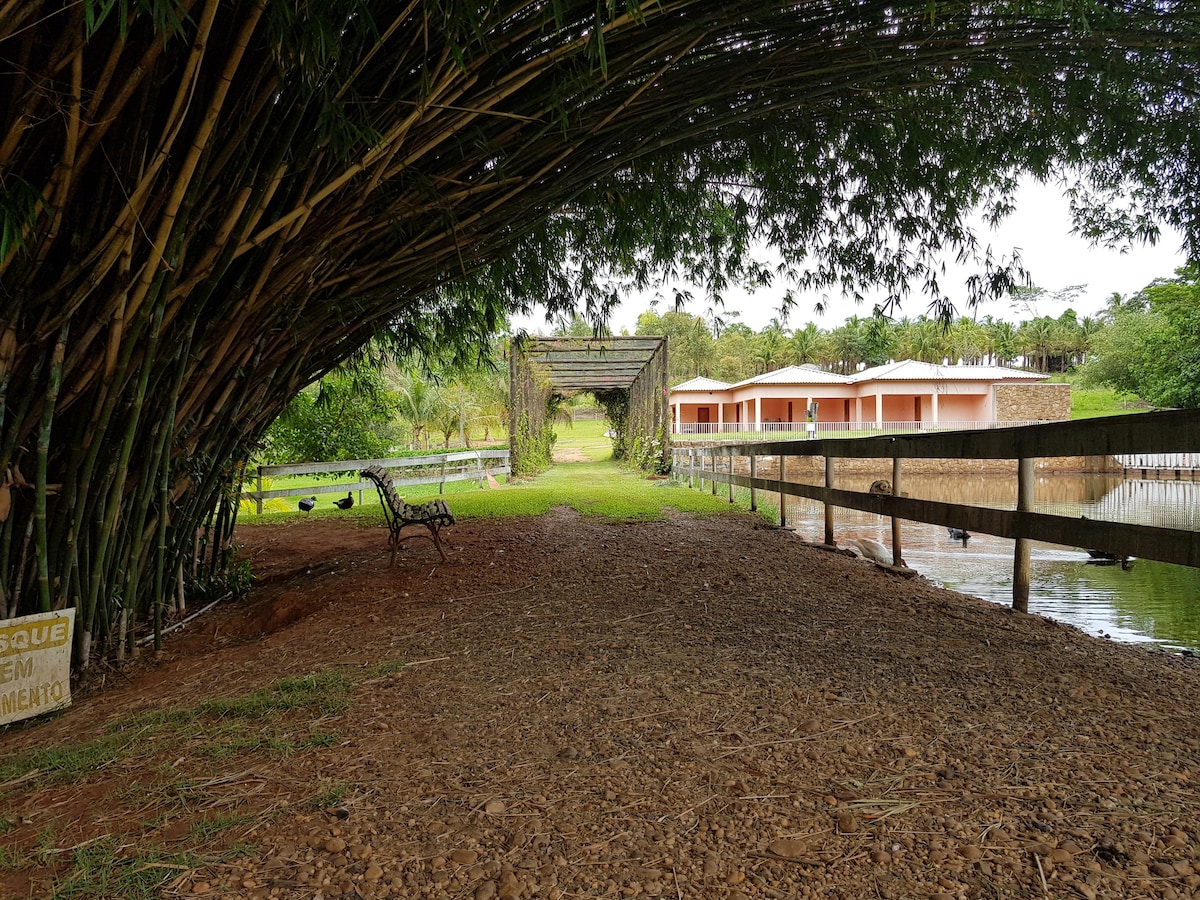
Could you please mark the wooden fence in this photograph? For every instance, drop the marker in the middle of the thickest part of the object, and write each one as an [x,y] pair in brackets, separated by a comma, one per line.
[1158,432]
[436,468]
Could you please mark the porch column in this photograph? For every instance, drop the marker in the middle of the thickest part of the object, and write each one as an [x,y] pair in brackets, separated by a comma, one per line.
[858,410]
[879,411]
[758,413]
[934,403]
[675,412]
[720,417]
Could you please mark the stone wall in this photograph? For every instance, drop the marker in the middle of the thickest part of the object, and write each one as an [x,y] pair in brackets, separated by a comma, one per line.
[882,468]
[1023,402]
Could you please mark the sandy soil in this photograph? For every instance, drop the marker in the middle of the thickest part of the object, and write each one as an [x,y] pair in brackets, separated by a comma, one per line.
[692,708]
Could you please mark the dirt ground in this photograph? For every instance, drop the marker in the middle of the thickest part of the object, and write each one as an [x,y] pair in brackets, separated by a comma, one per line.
[693,708]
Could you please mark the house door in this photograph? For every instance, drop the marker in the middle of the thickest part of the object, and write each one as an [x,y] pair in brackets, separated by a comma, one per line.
[916,409]
[702,415]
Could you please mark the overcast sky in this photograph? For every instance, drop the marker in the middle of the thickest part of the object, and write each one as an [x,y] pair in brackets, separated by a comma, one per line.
[1039,228]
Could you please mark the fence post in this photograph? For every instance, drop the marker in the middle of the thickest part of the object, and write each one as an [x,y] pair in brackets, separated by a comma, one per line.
[714,471]
[258,499]
[730,474]
[782,495]
[753,475]
[1021,554]
[691,466]
[442,483]
[829,473]
[897,560]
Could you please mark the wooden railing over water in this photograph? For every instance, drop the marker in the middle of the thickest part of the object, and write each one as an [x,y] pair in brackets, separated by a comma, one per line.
[1158,432]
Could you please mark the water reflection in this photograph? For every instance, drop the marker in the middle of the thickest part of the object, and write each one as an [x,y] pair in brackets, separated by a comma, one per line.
[1152,602]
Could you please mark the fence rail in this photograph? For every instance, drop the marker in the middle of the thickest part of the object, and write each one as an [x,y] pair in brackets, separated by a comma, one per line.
[1159,462]
[1147,433]
[706,431]
[438,468]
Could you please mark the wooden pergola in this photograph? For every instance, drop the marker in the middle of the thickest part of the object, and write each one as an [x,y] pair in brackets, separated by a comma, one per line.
[573,365]
[636,367]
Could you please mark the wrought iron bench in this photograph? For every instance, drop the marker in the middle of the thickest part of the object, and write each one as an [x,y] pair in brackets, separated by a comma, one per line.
[433,515]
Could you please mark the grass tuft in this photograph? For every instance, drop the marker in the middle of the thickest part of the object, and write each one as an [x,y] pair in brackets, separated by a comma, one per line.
[221,727]
[105,868]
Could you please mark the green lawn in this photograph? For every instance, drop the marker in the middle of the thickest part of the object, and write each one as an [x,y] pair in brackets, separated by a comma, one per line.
[597,487]
[1088,403]
[586,437]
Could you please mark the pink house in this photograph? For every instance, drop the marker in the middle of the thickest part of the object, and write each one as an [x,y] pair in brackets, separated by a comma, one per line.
[905,393]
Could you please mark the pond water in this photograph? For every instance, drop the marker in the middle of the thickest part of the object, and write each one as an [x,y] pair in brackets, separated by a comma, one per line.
[1151,602]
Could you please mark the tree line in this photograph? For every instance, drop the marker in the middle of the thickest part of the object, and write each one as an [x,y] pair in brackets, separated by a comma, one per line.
[1121,347]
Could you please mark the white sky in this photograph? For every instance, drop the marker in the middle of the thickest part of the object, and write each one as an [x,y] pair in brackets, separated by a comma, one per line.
[1039,229]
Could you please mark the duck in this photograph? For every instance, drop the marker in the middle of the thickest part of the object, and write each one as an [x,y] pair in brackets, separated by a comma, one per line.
[307,503]
[960,534]
[872,550]
[1104,558]
[346,502]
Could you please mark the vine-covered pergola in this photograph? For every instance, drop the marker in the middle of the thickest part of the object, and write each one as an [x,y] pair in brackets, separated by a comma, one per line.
[628,375]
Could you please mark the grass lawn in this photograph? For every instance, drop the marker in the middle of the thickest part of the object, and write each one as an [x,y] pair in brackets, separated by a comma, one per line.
[1089,403]
[597,486]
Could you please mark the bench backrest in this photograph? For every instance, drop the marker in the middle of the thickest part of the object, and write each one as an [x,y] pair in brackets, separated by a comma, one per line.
[398,512]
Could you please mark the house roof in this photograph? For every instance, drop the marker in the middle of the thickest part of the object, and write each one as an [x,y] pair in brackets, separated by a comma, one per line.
[912,370]
[796,375]
[701,384]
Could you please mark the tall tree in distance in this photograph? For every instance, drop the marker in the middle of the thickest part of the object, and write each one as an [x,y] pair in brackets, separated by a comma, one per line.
[208,204]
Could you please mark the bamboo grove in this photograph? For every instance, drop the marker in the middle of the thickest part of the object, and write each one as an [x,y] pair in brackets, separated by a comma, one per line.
[206,204]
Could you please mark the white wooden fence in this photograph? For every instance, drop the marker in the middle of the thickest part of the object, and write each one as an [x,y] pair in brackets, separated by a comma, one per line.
[435,468]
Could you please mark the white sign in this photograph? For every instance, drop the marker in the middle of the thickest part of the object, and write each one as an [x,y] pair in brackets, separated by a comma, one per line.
[35,664]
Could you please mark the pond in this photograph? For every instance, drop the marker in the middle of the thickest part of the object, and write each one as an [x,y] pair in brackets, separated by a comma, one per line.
[1150,602]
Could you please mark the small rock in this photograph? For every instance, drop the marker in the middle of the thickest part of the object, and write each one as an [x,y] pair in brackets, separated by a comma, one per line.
[712,866]
[881,857]
[485,891]
[335,845]
[1163,870]
[846,822]
[201,887]
[970,851]
[788,848]
[494,807]
[465,857]
[373,873]
[1059,855]
[1085,890]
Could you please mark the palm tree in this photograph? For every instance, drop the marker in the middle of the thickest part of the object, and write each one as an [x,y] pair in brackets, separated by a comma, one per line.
[806,343]
[419,402]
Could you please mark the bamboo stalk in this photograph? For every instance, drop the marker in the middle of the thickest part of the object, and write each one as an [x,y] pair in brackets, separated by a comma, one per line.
[43,461]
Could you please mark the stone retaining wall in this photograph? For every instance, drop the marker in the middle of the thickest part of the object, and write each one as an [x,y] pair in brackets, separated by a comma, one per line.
[1025,402]
[811,469]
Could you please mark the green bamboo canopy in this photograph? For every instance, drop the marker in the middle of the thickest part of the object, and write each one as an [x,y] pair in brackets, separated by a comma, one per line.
[207,204]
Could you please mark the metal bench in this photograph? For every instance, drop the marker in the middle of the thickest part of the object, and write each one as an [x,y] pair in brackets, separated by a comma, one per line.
[433,515]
